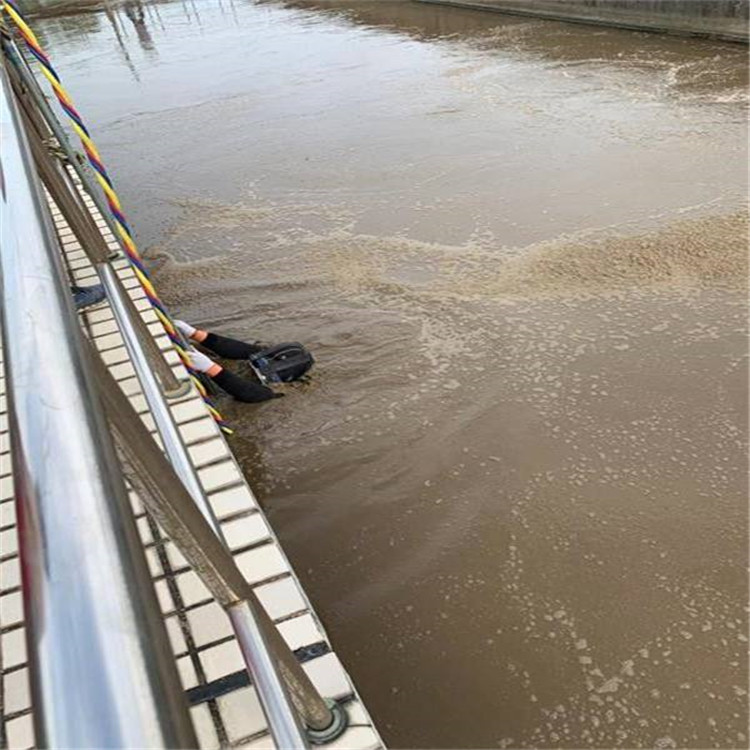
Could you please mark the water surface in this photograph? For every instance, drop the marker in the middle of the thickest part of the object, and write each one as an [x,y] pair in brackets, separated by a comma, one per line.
[516,487]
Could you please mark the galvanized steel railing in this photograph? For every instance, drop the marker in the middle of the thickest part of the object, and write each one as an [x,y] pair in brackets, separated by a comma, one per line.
[101,668]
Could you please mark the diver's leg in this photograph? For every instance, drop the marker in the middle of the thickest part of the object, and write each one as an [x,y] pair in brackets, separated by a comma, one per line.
[221,345]
[243,390]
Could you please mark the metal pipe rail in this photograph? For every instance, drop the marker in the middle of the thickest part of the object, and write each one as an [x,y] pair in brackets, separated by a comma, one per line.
[177,500]
[101,665]
[41,123]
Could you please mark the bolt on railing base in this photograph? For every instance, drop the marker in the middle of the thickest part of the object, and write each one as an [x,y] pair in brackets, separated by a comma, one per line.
[337,727]
[181,391]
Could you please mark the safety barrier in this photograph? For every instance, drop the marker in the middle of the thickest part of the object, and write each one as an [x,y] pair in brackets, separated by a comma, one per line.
[114,209]
[102,672]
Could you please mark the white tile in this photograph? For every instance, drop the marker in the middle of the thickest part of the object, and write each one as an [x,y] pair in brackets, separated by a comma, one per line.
[130,282]
[178,368]
[13,648]
[10,574]
[135,501]
[188,410]
[198,430]
[144,529]
[300,631]
[162,342]
[204,727]
[217,476]
[72,249]
[120,372]
[154,565]
[242,713]
[281,598]
[20,733]
[76,254]
[109,341]
[123,267]
[138,403]
[130,386]
[86,277]
[6,488]
[328,676]
[79,263]
[114,356]
[165,598]
[242,532]
[212,450]
[261,563]
[135,291]
[192,588]
[8,541]
[7,515]
[176,558]
[17,696]
[233,500]
[103,327]
[11,609]
[176,638]
[208,624]
[188,675]
[100,315]
[148,422]
[222,660]
[357,714]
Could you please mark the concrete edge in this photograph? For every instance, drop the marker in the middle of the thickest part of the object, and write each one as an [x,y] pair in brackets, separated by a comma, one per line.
[591,21]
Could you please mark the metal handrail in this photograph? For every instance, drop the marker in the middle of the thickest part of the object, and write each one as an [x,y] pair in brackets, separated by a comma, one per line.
[41,122]
[102,673]
[284,689]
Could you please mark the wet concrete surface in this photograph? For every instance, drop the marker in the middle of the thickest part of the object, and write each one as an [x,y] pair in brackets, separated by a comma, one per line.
[516,488]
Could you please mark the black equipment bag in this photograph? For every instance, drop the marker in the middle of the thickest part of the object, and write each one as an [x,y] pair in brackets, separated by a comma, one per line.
[282,363]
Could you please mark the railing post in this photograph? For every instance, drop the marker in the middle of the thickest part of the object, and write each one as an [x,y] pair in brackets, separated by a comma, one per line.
[102,673]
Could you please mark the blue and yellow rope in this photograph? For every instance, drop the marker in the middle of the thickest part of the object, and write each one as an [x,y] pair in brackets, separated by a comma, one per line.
[113,201]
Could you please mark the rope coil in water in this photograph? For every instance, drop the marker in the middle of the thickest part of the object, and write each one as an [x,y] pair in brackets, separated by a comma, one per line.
[113,201]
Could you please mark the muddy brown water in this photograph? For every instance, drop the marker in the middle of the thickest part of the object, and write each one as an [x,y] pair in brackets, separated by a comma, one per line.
[516,488]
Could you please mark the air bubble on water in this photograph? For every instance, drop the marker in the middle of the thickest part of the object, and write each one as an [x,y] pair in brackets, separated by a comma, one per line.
[664,743]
